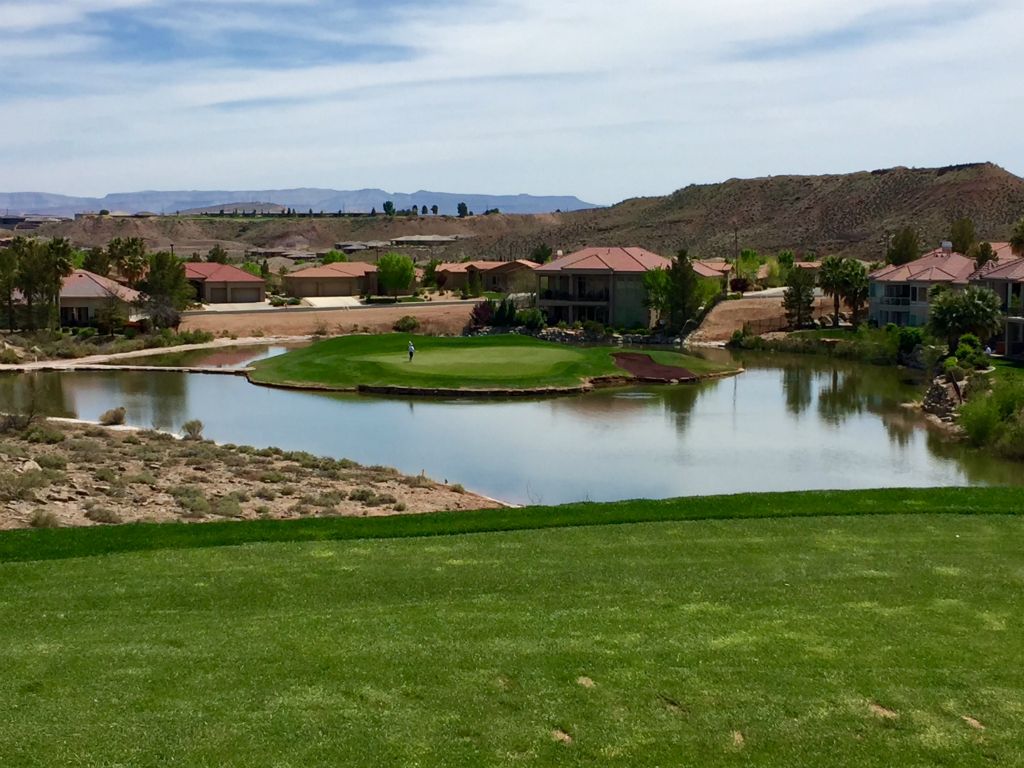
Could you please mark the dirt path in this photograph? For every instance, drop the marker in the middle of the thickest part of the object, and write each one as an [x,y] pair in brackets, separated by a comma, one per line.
[441,319]
[645,369]
[729,316]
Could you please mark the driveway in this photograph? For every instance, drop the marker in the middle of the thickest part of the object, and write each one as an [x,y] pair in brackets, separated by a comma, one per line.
[333,302]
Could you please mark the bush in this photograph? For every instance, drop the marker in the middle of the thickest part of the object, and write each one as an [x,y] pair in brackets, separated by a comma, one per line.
[406,324]
[483,313]
[191,499]
[41,433]
[532,318]
[9,357]
[953,370]
[86,333]
[993,419]
[192,429]
[103,515]
[909,339]
[593,328]
[52,461]
[44,518]
[113,417]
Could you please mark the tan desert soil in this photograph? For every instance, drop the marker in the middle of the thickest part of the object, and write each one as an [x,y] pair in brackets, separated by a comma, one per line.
[729,316]
[91,476]
[440,319]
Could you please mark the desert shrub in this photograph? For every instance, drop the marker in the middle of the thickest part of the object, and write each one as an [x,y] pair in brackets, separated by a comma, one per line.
[52,461]
[105,474]
[227,506]
[192,429]
[42,433]
[15,486]
[400,507]
[141,478]
[406,324]
[265,493]
[993,418]
[113,416]
[191,499]
[457,487]
[103,515]
[287,490]
[9,357]
[320,329]
[44,518]
[262,509]
[1010,443]
[361,494]
[417,481]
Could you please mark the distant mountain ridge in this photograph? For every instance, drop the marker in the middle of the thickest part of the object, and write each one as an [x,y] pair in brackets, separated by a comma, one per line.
[302,199]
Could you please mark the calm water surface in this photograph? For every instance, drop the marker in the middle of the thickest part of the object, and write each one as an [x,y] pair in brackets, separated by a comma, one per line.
[784,424]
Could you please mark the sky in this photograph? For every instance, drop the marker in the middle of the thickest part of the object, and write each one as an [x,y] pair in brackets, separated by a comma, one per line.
[599,99]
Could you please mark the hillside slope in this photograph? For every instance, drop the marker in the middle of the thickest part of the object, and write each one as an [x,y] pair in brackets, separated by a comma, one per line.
[850,214]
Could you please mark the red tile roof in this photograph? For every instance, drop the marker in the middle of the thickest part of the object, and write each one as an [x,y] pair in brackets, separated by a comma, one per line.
[337,269]
[616,260]
[1011,270]
[218,273]
[936,266]
[82,284]
[711,267]
[457,267]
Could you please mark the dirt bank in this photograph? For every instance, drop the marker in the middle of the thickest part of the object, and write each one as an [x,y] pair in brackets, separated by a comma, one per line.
[764,314]
[63,474]
[440,319]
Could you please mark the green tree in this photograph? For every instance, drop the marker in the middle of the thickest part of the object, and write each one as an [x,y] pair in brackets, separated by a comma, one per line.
[128,255]
[463,210]
[473,285]
[904,247]
[684,294]
[748,265]
[982,254]
[395,273]
[389,208]
[167,290]
[111,316]
[9,278]
[541,253]
[973,310]
[1017,239]
[434,209]
[58,263]
[798,300]
[217,254]
[430,272]
[855,287]
[97,261]
[657,287]
[30,277]
[830,279]
[962,234]
[332,257]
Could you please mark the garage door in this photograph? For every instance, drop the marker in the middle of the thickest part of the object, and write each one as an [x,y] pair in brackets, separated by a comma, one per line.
[245,294]
[216,295]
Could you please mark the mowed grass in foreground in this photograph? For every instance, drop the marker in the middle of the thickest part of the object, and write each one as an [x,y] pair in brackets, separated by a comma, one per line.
[483,362]
[831,641]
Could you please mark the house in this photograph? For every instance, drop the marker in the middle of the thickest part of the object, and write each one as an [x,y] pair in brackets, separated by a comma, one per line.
[716,269]
[1005,277]
[224,284]
[454,275]
[342,278]
[898,293]
[602,284]
[84,294]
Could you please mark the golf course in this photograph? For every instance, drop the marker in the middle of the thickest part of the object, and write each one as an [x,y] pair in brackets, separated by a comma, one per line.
[859,628]
[457,364]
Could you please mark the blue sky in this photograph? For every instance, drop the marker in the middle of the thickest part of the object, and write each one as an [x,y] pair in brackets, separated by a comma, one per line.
[600,99]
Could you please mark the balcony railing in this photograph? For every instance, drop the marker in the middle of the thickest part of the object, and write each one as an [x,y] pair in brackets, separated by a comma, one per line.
[551,295]
[895,301]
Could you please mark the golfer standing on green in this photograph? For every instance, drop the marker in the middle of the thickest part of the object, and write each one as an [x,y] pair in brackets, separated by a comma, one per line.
[412,350]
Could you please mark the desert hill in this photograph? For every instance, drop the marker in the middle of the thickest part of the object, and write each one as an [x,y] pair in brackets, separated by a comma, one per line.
[849,214]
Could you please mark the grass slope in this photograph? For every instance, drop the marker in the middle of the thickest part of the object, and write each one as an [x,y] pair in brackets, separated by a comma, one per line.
[500,362]
[765,640]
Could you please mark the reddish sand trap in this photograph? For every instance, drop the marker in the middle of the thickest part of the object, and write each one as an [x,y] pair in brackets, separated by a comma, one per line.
[645,369]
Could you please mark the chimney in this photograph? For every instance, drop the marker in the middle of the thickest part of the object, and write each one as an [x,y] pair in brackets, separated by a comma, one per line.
[947,247]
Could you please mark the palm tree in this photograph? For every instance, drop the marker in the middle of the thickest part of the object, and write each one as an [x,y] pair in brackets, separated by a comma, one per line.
[58,263]
[1017,239]
[854,288]
[830,278]
[974,310]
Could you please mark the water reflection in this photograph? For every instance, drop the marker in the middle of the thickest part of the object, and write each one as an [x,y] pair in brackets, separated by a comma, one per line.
[784,424]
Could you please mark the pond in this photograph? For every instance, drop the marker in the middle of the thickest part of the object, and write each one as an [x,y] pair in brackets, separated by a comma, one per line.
[787,423]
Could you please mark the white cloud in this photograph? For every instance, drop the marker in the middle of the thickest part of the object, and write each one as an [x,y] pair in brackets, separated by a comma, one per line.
[598,99]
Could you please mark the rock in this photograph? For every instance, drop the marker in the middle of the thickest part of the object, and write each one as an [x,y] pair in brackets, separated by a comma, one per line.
[942,399]
[30,466]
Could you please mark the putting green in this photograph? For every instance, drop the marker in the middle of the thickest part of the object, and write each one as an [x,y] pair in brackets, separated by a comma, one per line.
[487,362]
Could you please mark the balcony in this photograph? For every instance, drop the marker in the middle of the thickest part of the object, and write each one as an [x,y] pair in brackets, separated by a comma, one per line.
[894,301]
[588,296]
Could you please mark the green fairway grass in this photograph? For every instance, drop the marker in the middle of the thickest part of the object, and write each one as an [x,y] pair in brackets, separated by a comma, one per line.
[864,628]
[483,362]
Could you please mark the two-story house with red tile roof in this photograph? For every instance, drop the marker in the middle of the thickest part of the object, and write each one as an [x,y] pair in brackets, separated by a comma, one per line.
[602,284]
